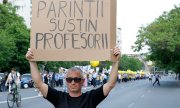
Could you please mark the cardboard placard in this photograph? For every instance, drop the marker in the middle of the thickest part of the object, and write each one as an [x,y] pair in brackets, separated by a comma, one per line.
[73,30]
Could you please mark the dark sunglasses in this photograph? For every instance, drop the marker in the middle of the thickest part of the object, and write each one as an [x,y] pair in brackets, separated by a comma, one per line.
[75,79]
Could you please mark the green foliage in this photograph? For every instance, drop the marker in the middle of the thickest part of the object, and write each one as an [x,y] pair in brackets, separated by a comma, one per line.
[6,46]
[54,66]
[163,38]
[130,63]
[14,37]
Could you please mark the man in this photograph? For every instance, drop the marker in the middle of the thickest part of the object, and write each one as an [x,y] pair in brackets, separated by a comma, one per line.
[157,76]
[13,77]
[74,79]
[119,78]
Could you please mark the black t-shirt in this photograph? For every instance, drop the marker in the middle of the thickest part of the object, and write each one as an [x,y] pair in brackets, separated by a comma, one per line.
[89,99]
[46,79]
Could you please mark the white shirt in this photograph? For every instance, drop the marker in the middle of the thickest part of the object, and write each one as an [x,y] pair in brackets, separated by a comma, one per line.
[15,76]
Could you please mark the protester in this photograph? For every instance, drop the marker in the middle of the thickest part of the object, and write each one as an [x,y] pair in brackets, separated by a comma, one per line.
[74,79]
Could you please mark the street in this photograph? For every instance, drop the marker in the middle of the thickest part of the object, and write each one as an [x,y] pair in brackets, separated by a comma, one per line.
[134,94]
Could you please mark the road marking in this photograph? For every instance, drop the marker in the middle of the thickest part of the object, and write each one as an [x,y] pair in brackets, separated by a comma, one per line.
[1,102]
[130,105]
[30,97]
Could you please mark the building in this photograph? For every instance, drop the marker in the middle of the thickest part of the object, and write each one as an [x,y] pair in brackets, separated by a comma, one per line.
[24,9]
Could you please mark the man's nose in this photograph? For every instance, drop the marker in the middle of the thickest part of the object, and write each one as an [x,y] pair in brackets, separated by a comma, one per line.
[72,82]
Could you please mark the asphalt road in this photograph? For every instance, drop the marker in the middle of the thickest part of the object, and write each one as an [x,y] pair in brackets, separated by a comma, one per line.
[141,94]
[134,94]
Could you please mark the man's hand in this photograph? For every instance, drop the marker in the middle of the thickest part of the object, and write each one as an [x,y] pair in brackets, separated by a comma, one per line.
[116,52]
[6,84]
[29,54]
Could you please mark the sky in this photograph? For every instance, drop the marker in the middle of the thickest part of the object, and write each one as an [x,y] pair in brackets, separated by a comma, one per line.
[132,14]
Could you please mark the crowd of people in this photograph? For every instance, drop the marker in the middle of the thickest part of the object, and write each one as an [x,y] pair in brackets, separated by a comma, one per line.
[93,78]
[90,78]
[54,79]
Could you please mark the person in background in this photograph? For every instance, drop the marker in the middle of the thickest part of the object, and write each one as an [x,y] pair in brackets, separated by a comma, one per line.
[150,78]
[157,77]
[119,78]
[13,77]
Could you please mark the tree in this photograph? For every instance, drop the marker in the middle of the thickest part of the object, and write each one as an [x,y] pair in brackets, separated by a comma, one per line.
[131,63]
[6,46]
[163,38]
[54,66]
[15,36]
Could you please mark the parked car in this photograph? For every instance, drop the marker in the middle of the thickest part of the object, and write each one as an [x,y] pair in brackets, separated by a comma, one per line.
[2,81]
[26,81]
[1,77]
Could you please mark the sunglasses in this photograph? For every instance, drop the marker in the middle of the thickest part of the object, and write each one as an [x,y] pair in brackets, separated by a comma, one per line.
[75,79]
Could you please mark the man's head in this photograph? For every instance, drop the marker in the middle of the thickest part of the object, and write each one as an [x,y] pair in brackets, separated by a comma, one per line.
[74,79]
[13,70]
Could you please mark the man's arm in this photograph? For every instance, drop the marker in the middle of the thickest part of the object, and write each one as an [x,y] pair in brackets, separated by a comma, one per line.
[8,79]
[113,75]
[36,74]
